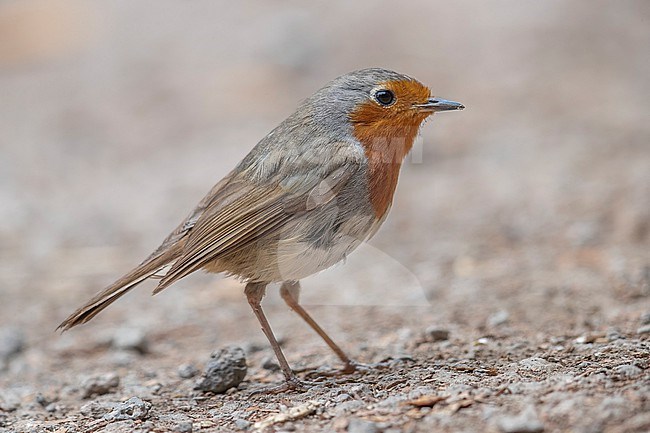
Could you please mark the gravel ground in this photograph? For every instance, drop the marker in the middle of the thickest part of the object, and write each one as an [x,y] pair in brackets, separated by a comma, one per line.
[509,291]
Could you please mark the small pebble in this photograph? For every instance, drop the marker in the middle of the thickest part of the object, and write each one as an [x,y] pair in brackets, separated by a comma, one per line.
[93,409]
[8,401]
[404,334]
[436,334]
[269,363]
[226,369]
[645,318]
[347,407]
[643,330]
[357,425]
[12,342]
[133,408]
[130,339]
[593,337]
[183,427]
[525,422]
[99,385]
[123,358]
[342,397]
[147,426]
[628,370]
[499,318]
[536,364]
[613,334]
[187,371]
[288,426]
[40,399]
[242,424]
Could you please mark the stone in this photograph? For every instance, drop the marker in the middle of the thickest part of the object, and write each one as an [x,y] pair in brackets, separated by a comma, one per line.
[226,369]
[357,425]
[132,409]
[645,329]
[628,370]
[645,319]
[12,342]
[499,318]
[242,424]
[183,427]
[525,422]
[8,401]
[269,364]
[187,371]
[537,365]
[99,385]
[132,339]
[434,333]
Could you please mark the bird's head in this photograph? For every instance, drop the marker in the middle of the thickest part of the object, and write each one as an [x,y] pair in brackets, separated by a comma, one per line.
[377,104]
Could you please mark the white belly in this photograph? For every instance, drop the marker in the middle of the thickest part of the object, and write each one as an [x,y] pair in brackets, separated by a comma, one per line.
[297,260]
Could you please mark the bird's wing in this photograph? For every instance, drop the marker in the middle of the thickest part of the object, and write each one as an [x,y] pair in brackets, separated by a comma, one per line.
[180,232]
[247,211]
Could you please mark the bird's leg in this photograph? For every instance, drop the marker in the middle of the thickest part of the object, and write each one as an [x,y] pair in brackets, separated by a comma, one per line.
[254,293]
[290,292]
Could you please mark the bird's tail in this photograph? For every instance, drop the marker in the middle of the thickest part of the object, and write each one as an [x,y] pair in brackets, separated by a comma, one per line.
[110,294]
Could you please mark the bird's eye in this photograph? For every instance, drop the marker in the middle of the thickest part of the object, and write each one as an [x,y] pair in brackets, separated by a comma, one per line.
[385,97]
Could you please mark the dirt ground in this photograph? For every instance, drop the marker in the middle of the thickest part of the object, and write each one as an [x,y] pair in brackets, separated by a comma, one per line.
[509,290]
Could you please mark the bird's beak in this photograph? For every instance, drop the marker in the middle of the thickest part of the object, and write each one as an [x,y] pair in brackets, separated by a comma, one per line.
[437,104]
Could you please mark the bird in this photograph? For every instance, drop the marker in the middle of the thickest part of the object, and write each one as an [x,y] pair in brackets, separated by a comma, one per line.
[310,192]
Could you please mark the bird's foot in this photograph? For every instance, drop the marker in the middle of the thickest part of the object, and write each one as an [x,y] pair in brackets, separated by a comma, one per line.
[354,367]
[292,384]
[350,367]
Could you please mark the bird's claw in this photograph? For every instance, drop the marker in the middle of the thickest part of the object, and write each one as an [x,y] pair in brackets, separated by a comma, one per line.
[350,367]
[290,385]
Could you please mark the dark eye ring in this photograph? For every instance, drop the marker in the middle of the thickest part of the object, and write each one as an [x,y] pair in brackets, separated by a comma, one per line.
[385,97]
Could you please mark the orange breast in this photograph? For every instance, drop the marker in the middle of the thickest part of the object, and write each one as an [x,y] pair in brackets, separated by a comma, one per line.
[387,135]
[385,155]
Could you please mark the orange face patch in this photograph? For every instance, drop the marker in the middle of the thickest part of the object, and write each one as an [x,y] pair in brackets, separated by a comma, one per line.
[387,134]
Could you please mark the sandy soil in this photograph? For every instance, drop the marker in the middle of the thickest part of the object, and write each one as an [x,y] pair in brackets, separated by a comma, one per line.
[509,291]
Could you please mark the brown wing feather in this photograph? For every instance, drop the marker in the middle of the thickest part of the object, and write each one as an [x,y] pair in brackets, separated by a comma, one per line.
[244,221]
[257,213]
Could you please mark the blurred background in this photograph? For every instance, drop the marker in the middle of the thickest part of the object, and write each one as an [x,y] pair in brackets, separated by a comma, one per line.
[533,203]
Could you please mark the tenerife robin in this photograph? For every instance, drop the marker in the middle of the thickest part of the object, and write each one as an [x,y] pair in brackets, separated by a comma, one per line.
[308,194]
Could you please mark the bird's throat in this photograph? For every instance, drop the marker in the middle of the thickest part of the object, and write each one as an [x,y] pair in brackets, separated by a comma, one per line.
[385,155]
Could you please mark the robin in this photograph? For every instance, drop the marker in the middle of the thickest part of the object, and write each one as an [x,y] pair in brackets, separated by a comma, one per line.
[306,196]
